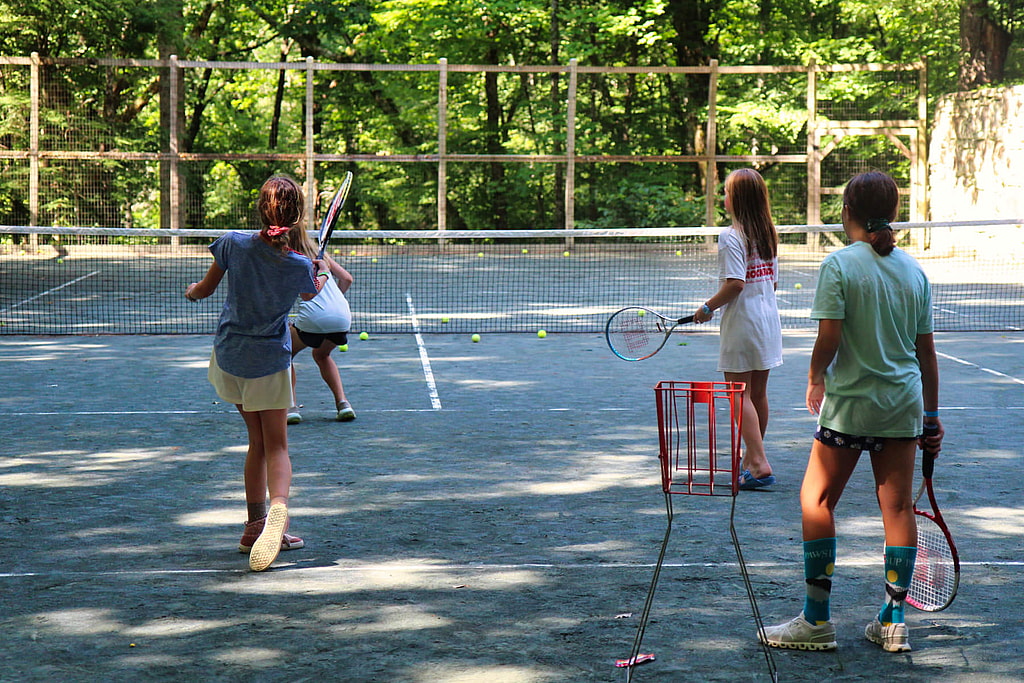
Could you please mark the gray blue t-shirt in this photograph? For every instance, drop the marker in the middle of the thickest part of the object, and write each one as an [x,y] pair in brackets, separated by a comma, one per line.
[252,337]
[873,387]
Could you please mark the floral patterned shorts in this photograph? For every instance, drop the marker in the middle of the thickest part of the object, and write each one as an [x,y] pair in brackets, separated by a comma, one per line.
[872,444]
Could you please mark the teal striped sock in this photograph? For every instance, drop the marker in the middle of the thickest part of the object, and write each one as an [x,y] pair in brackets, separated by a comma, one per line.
[899,569]
[819,565]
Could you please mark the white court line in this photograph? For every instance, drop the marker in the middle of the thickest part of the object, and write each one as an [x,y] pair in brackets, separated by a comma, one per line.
[477,567]
[983,369]
[428,374]
[49,291]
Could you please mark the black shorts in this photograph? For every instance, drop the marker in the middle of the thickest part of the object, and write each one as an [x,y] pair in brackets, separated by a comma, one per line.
[314,339]
[873,444]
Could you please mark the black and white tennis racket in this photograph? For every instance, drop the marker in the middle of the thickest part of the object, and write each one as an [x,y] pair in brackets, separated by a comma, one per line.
[937,569]
[636,333]
[333,212]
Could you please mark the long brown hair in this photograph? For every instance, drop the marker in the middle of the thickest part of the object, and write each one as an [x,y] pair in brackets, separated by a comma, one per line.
[872,200]
[752,210]
[281,203]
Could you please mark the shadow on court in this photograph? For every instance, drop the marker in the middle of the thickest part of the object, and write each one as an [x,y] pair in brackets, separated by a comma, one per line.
[507,537]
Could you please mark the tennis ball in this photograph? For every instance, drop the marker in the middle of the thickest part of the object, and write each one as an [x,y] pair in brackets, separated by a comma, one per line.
[373,260]
[798,286]
[480,253]
[526,251]
[352,253]
[444,320]
[475,338]
[337,252]
[641,313]
[679,253]
[542,333]
[343,348]
[364,336]
[60,260]
[565,253]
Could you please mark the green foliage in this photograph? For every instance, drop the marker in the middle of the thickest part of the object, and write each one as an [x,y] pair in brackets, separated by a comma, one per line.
[238,111]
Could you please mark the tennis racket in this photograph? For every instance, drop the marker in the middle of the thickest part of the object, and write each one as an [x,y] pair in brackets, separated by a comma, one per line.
[636,333]
[937,569]
[333,212]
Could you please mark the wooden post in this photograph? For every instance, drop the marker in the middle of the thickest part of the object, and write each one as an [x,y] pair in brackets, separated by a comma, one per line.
[311,185]
[175,171]
[711,148]
[570,152]
[921,198]
[442,147]
[33,152]
[813,152]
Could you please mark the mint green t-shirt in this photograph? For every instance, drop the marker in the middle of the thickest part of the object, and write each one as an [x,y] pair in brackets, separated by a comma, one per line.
[873,387]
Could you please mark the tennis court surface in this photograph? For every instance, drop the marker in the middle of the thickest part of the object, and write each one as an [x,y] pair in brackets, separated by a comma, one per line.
[495,519]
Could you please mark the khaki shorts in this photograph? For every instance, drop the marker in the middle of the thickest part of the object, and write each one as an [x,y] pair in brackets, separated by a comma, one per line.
[273,392]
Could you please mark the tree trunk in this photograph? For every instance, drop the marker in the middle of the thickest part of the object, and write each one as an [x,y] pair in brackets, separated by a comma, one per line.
[984,46]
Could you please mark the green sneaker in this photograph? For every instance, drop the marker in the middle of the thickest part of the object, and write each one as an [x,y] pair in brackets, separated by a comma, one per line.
[345,412]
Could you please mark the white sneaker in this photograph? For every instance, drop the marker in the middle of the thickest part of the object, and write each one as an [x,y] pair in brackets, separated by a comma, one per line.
[345,412]
[800,634]
[294,417]
[892,638]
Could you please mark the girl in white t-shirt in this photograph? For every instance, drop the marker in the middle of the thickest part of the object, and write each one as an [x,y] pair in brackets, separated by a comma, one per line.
[322,324]
[751,333]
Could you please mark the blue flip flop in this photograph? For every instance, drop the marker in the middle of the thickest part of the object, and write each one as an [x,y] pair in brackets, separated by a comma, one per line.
[749,483]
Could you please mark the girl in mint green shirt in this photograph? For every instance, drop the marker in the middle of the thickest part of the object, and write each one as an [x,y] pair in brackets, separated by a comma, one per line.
[873,380]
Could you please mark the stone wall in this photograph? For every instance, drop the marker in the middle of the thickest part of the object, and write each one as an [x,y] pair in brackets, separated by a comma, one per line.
[976,163]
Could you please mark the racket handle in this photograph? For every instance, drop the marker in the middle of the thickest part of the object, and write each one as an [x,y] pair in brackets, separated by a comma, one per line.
[684,321]
[927,455]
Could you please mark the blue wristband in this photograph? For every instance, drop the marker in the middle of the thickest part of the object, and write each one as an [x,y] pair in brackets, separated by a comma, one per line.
[931,413]
[706,309]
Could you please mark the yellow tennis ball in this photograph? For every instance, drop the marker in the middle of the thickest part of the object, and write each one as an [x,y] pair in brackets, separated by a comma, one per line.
[679,253]
[798,286]
[444,320]
[352,253]
[565,253]
[526,251]
[373,260]
[542,333]
[475,338]
[364,336]
[343,348]
[641,313]
[337,252]
[480,253]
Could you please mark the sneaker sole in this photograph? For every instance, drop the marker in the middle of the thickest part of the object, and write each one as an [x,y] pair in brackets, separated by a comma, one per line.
[294,420]
[809,647]
[268,545]
[346,416]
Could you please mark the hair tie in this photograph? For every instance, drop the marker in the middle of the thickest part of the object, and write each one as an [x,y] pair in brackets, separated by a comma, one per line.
[275,230]
[876,224]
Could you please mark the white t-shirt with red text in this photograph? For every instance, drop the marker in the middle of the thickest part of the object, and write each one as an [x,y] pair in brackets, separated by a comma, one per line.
[751,332]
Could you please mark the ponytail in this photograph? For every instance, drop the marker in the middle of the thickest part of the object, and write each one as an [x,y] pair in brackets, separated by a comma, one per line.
[872,200]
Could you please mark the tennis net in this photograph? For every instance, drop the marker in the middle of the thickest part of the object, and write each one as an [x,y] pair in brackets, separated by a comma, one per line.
[80,281]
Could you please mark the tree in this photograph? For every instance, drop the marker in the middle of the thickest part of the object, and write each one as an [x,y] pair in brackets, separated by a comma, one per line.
[984,42]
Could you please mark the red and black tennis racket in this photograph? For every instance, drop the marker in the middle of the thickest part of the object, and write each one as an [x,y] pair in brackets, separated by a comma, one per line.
[636,333]
[333,212]
[937,569]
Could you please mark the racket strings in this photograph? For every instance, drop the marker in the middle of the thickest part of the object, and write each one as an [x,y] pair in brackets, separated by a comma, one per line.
[934,580]
[633,333]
